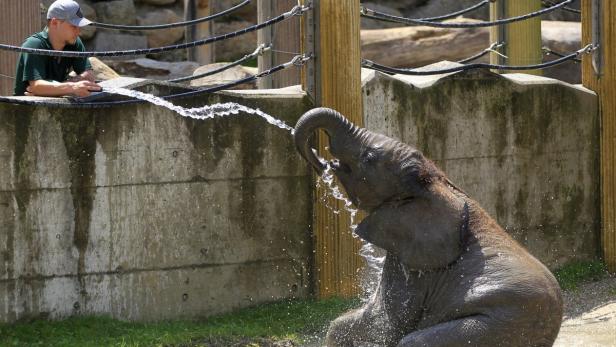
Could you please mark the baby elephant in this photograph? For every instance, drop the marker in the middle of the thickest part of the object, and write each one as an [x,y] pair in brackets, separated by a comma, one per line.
[452,275]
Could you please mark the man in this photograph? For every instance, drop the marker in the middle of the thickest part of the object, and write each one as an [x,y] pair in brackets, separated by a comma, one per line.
[40,75]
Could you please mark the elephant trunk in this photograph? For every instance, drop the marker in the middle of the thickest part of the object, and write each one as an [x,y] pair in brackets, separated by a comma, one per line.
[332,122]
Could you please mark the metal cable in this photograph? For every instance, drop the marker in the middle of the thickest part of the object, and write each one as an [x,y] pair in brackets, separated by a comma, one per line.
[296,11]
[456,14]
[390,70]
[569,9]
[492,47]
[387,17]
[549,51]
[259,51]
[171,25]
[296,61]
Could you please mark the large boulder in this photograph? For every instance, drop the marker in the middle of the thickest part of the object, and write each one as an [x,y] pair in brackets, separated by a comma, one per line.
[102,71]
[247,13]
[227,76]
[115,41]
[116,12]
[158,38]
[232,49]
[153,69]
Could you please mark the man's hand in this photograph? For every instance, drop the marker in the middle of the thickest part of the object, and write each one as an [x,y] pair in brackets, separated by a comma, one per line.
[83,88]
[47,88]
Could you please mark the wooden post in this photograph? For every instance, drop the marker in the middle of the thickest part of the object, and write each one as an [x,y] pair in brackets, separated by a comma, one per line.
[604,84]
[522,39]
[336,83]
[285,40]
[18,20]
[194,9]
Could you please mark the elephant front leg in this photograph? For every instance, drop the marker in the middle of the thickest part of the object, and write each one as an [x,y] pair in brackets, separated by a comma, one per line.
[477,331]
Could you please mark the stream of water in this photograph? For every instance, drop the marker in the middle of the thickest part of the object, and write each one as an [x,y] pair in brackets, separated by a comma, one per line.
[205,112]
[374,261]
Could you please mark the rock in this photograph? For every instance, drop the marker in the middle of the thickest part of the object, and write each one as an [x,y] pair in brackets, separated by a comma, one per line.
[157,2]
[116,12]
[113,41]
[102,71]
[158,38]
[231,75]
[235,48]
[152,69]
[418,45]
[247,13]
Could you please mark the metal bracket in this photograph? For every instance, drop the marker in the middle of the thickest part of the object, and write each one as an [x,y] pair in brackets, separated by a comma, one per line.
[597,30]
[310,48]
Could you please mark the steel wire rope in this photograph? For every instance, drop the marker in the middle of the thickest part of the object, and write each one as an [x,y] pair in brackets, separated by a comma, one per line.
[549,51]
[259,51]
[456,14]
[171,25]
[368,13]
[295,11]
[547,3]
[414,72]
[482,53]
[298,60]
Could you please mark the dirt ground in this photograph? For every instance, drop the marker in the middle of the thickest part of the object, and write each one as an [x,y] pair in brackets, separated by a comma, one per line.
[590,316]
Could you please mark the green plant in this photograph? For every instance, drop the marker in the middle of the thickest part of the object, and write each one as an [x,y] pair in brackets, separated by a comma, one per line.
[573,274]
[287,320]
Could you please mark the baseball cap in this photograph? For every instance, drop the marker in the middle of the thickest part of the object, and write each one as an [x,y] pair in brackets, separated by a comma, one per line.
[67,10]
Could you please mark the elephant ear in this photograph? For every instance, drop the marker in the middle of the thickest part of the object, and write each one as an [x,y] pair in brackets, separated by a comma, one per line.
[421,236]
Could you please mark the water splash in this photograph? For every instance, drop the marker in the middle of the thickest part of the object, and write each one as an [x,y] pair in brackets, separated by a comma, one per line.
[374,260]
[205,112]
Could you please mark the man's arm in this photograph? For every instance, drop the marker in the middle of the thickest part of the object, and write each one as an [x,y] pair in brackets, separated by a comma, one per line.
[53,88]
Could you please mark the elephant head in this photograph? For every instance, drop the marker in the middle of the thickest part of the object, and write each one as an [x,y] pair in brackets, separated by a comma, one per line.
[415,212]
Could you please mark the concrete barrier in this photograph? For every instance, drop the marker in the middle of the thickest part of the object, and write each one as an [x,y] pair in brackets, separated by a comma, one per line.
[138,213]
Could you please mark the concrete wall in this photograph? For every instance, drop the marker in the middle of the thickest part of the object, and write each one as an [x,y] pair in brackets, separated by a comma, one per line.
[139,213]
[525,147]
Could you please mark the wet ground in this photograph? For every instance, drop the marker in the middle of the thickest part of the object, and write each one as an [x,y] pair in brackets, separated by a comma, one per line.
[590,316]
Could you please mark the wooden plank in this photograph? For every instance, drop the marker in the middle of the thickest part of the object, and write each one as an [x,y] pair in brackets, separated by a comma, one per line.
[605,86]
[337,80]
[18,20]
[194,9]
[285,40]
[523,38]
